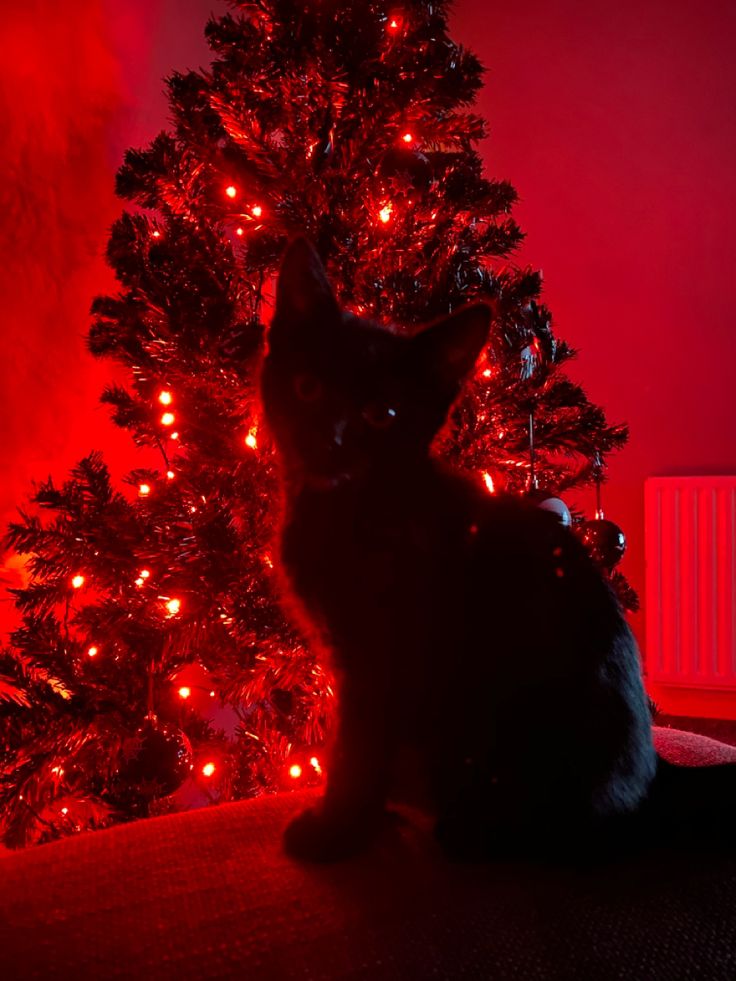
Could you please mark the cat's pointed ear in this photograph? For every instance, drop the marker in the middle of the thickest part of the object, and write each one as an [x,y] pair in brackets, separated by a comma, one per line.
[448,348]
[303,292]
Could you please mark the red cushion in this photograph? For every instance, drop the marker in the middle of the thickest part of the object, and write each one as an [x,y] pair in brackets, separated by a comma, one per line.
[210,894]
[690,749]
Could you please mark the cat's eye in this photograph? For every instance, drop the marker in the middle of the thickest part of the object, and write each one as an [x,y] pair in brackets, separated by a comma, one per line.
[379,415]
[307,388]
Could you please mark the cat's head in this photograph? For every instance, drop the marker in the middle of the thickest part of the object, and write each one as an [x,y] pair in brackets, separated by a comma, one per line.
[344,397]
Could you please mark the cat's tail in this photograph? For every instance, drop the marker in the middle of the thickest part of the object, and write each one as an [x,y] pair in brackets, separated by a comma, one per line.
[695,804]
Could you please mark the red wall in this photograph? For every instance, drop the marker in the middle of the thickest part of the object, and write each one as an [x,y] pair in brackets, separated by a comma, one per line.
[614,121]
[60,94]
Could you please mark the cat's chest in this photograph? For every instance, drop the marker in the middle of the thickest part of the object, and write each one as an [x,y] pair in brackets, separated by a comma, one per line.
[337,543]
[331,529]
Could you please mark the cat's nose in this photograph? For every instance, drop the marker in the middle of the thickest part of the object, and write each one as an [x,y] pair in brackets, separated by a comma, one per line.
[338,432]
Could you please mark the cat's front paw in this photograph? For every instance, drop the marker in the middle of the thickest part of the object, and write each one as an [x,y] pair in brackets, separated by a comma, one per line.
[319,837]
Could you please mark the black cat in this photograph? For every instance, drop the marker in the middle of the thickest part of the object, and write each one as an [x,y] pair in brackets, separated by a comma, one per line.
[473,629]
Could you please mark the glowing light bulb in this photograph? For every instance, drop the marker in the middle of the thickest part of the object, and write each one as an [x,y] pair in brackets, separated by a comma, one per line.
[65,810]
[394,24]
[144,490]
[407,138]
[385,213]
[488,481]
[156,233]
[173,606]
[78,581]
[208,769]
[212,694]
[165,397]
[268,560]
[145,573]
[250,439]
[170,474]
[184,692]
[315,763]
[167,419]
[174,435]
[487,373]
[257,210]
[231,191]
[238,231]
[295,771]
[92,651]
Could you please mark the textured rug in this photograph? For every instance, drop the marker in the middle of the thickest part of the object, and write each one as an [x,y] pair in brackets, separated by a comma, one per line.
[210,894]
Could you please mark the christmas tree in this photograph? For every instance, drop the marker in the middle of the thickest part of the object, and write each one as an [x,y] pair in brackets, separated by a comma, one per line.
[151,651]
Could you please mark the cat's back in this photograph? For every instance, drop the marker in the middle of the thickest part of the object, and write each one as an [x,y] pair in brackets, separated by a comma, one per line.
[495,523]
[516,562]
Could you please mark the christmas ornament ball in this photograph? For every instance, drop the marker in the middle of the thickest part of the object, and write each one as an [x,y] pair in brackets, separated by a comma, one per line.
[157,759]
[604,540]
[406,168]
[548,501]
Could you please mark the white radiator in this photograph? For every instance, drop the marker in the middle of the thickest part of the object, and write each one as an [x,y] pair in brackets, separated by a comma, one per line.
[691,581]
